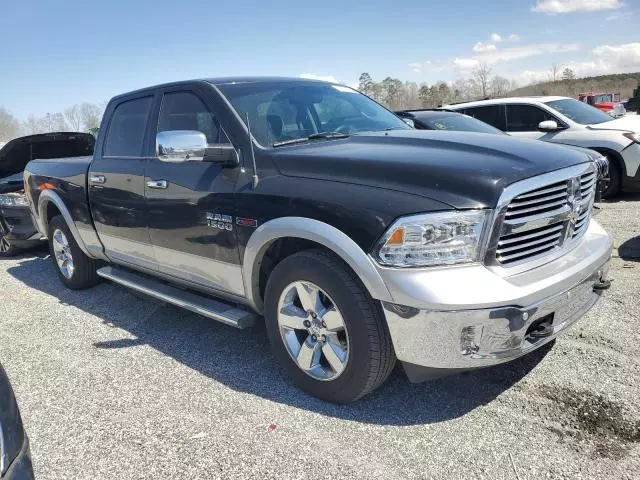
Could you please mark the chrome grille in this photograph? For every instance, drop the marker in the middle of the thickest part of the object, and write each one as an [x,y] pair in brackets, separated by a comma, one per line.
[543,219]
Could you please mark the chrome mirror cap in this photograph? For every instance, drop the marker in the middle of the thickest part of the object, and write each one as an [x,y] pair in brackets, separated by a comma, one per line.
[181,146]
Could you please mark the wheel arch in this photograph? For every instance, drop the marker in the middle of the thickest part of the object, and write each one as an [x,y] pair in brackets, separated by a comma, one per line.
[50,203]
[614,156]
[315,232]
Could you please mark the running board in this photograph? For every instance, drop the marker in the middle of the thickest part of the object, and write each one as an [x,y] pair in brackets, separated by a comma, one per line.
[208,307]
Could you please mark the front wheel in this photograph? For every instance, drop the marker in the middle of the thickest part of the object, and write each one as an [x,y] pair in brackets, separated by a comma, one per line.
[611,183]
[75,269]
[325,329]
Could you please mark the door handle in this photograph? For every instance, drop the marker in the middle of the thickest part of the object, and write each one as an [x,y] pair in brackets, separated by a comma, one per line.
[97,179]
[157,184]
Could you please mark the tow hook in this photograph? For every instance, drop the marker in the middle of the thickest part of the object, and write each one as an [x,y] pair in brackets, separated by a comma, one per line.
[601,285]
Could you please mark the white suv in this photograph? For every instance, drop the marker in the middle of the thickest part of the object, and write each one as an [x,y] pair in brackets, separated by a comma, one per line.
[566,120]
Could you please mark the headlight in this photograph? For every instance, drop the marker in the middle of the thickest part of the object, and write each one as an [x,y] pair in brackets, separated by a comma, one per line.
[13,200]
[634,137]
[444,238]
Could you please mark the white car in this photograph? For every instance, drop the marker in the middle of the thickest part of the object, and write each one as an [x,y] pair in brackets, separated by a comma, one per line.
[566,120]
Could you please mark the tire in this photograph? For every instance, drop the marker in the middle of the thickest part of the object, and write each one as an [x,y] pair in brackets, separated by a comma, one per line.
[80,271]
[365,339]
[611,187]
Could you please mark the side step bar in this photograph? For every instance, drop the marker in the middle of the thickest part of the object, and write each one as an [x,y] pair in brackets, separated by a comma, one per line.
[208,307]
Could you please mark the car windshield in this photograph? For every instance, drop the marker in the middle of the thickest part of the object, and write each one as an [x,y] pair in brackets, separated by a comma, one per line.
[579,112]
[282,112]
[457,122]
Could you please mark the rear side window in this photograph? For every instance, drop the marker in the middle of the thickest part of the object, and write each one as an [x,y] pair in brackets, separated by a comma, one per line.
[491,114]
[185,111]
[525,118]
[125,137]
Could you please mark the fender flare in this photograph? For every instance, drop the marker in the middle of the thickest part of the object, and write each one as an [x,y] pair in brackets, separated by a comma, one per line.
[316,231]
[49,196]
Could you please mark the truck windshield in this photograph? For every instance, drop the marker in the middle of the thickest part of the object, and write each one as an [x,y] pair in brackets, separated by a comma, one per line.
[282,112]
[579,112]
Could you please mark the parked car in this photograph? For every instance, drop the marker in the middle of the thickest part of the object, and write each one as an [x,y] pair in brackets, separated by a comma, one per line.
[605,102]
[17,231]
[568,121]
[15,455]
[360,239]
[440,119]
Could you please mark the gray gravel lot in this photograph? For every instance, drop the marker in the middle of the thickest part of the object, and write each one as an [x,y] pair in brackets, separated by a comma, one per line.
[115,385]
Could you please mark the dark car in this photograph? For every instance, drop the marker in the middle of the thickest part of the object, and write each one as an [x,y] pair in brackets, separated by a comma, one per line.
[17,231]
[15,455]
[438,119]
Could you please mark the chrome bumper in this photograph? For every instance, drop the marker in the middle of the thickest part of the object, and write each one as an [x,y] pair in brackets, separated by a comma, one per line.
[469,317]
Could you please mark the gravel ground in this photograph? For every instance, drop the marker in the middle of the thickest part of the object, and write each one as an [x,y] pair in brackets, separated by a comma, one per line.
[115,385]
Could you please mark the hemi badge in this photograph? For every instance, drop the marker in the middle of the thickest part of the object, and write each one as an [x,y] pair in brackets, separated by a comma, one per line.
[247,222]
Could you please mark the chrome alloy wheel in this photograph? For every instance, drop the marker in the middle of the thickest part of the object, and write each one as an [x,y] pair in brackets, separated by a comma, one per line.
[62,251]
[313,330]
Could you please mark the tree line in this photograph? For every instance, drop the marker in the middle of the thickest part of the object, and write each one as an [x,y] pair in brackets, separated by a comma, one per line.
[398,95]
[82,117]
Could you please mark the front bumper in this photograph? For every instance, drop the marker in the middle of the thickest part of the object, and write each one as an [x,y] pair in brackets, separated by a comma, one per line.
[462,318]
[21,468]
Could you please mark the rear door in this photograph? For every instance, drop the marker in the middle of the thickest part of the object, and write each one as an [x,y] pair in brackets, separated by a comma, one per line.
[116,184]
[191,204]
[492,114]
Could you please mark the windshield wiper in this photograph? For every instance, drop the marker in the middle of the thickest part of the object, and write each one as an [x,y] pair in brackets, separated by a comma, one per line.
[313,136]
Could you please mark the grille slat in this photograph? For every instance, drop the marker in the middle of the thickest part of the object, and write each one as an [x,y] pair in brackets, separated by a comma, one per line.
[550,203]
[527,245]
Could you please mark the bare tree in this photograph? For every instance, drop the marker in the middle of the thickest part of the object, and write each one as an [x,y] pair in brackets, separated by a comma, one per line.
[90,115]
[481,75]
[9,125]
[500,86]
[72,114]
[555,72]
[33,125]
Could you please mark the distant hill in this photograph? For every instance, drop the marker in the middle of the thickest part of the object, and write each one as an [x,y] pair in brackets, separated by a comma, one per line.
[622,83]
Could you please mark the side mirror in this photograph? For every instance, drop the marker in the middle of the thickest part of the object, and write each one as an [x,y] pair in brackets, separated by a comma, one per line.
[549,126]
[181,146]
[224,155]
[409,122]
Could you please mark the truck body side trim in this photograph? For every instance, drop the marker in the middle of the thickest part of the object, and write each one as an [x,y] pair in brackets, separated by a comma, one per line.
[316,231]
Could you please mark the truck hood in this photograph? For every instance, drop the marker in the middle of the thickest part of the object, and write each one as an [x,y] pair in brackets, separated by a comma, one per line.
[462,169]
[628,123]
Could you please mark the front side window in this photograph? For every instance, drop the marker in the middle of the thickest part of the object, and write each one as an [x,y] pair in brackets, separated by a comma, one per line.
[281,111]
[525,118]
[125,137]
[579,112]
[491,114]
[185,111]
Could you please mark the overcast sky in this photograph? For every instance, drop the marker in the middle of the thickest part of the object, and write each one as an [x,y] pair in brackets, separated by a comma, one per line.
[57,53]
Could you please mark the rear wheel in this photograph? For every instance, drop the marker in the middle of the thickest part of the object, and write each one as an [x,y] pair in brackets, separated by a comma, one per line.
[75,269]
[325,329]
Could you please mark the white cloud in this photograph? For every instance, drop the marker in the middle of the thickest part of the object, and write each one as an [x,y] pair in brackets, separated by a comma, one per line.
[518,53]
[495,38]
[554,7]
[416,67]
[465,63]
[483,47]
[620,57]
[325,78]
[513,38]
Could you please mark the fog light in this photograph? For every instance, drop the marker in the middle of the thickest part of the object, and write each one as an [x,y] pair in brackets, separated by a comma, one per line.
[470,339]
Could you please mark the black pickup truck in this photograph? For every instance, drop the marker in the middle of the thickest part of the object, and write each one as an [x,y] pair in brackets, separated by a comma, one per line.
[359,239]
